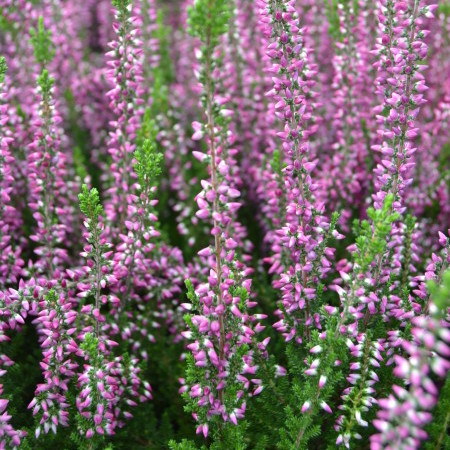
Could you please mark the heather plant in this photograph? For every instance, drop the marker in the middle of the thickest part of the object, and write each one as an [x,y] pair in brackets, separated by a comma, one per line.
[224,224]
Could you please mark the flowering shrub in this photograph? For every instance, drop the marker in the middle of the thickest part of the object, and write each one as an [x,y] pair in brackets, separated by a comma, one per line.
[224,224]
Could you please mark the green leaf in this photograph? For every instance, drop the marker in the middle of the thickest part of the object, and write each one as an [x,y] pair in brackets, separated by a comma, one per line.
[43,46]
[90,204]
[148,159]
[3,68]
[208,20]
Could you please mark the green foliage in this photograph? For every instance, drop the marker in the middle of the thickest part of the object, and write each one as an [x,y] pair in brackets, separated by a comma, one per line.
[79,163]
[148,160]
[43,46]
[444,157]
[90,205]
[148,129]
[331,10]
[45,82]
[51,298]
[302,427]
[441,293]
[191,294]
[160,104]
[208,20]
[162,33]
[21,379]
[372,235]
[90,347]
[122,5]
[154,423]
[81,140]
[232,437]
[183,445]
[5,24]
[276,163]
[3,68]
[266,411]
[439,438]
[163,73]
[444,8]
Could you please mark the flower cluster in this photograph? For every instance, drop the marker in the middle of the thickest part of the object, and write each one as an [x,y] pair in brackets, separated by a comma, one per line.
[10,262]
[359,397]
[352,101]
[302,238]
[47,167]
[56,318]
[401,47]
[106,391]
[224,224]
[125,77]
[404,414]
[222,329]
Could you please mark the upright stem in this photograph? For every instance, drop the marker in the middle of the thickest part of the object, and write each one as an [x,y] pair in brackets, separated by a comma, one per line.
[122,140]
[98,275]
[300,183]
[443,432]
[212,150]
[138,238]
[48,190]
